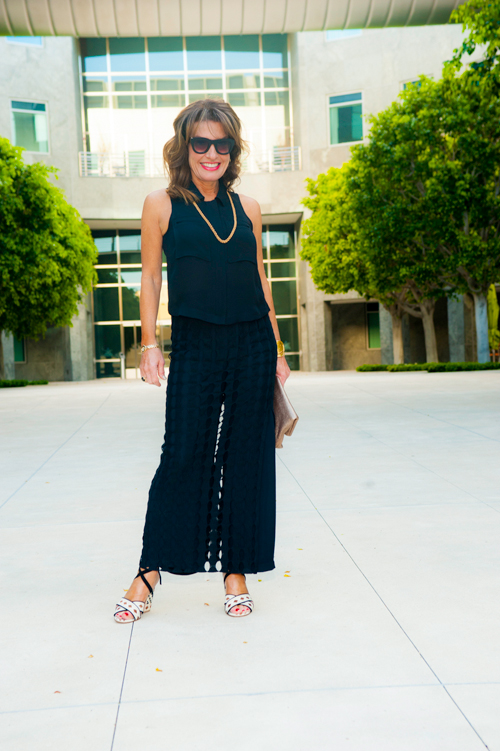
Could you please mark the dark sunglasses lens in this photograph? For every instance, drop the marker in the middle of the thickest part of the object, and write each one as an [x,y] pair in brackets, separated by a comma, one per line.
[200,145]
[224,145]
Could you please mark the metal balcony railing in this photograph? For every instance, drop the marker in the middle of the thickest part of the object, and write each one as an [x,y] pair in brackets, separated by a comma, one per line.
[141,164]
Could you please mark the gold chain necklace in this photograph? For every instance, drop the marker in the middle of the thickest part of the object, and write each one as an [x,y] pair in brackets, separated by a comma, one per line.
[215,233]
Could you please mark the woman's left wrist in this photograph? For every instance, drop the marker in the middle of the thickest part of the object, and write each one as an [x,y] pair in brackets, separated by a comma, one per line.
[280,347]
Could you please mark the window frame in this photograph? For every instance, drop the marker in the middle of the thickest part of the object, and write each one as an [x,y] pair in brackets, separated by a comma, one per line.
[13,127]
[367,330]
[345,104]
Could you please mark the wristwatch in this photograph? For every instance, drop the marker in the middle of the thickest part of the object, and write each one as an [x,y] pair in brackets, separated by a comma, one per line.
[149,346]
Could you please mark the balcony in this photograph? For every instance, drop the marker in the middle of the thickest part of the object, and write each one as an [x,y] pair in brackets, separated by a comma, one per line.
[140,164]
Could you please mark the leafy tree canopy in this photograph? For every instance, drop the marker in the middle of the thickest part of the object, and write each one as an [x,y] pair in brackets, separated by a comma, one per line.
[47,254]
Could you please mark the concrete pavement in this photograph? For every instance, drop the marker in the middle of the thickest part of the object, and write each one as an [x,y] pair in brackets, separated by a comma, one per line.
[378,631]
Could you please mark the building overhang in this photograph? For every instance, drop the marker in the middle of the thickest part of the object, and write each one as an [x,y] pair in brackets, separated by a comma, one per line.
[130,18]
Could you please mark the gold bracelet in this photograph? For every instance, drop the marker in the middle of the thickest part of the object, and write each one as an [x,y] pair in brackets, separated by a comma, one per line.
[281,348]
[148,346]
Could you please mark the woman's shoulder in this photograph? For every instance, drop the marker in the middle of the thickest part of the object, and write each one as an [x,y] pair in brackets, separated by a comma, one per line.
[158,209]
[250,207]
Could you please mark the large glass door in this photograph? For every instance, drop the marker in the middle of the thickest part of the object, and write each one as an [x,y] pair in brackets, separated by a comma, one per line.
[132,340]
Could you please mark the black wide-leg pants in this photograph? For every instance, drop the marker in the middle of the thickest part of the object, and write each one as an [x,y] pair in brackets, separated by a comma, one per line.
[212,501]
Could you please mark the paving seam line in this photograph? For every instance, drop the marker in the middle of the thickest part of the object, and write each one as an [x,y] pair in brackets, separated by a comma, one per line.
[365,577]
[122,686]
[55,452]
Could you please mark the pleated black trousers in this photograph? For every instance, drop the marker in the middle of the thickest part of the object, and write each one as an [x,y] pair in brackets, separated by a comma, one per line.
[212,501]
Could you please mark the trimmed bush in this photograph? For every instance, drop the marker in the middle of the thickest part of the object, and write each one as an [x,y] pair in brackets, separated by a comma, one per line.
[19,382]
[430,367]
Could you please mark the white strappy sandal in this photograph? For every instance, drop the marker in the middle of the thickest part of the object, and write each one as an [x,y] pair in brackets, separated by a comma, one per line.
[232,601]
[136,608]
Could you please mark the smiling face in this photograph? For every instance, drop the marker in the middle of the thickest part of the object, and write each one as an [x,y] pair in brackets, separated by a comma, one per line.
[211,166]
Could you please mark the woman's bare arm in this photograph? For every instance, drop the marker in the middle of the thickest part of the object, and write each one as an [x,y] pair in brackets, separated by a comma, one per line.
[154,223]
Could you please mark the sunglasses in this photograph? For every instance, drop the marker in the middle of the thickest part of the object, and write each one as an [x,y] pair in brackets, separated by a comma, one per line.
[223,146]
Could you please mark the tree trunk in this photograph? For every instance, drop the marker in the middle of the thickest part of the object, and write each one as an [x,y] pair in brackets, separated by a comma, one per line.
[431,352]
[7,363]
[397,339]
[481,318]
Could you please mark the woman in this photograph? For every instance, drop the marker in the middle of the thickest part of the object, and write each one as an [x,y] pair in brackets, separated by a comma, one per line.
[212,502]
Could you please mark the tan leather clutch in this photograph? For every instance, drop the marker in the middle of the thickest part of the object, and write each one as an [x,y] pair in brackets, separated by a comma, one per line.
[285,417]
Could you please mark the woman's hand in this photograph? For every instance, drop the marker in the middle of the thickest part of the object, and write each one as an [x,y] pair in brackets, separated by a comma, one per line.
[282,369]
[152,366]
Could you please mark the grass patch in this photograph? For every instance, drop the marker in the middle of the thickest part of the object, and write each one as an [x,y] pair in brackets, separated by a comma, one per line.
[430,367]
[13,382]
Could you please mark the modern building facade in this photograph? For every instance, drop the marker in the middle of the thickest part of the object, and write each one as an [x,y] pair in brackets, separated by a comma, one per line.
[100,108]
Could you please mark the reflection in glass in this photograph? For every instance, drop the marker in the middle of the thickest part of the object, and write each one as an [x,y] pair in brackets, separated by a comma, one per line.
[130,246]
[281,243]
[105,242]
[96,102]
[293,362]
[107,276]
[107,370]
[282,269]
[289,333]
[130,102]
[205,83]
[107,341]
[129,83]
[285,297]
[95,83]
[275,52]
[174,101]
[165,53]
[127,54]
[242,51]
[131,276]
[276,80]
[93,55]
[106,304]
[130,302]
[244,98]
[167,83]
[204,53]
[243,81]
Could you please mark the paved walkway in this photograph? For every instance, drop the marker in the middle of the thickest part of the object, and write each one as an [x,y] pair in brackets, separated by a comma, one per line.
[378,631]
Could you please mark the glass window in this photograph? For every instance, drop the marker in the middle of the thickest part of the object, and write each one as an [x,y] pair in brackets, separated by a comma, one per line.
[242,52]
[105,241]
[243,81]
[289,333]
[205,95]
[96,102]
[176,101]
[128,83]
[130,246]
[280,270]
[31,41]
[333,34]
[130,302]
[109,369]
[130,102]
[167,83]
[293,362]
[281,243]
[107,342]
[275,50]
[130,276]
[107,276]
[106,306]
[29,125]
[244,98]
[204,53]
[195,82]
[95,83]
[19,350]
[346,119]
[285,297]
[276,80]
[165,53]
[127,54]
[373,325]
[93,55]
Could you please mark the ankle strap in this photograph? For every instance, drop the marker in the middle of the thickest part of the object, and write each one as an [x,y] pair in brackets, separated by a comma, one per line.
[142,573]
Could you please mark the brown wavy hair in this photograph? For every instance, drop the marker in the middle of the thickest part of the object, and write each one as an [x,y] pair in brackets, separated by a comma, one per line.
[175,151]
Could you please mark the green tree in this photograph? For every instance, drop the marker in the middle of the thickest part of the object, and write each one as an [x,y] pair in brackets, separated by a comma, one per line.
[47,254]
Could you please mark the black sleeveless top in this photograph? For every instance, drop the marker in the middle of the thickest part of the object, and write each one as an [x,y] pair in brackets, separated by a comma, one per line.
[209,280]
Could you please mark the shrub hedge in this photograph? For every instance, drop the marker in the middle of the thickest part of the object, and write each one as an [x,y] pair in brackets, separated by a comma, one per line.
[19,382]
[430,367]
